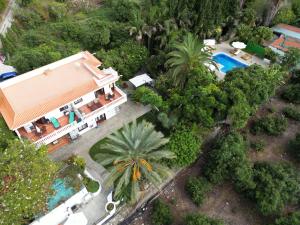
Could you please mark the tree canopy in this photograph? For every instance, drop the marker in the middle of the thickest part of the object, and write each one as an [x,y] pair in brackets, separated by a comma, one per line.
[27,175]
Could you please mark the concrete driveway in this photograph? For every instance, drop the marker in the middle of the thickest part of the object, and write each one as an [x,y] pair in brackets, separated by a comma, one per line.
[128,112]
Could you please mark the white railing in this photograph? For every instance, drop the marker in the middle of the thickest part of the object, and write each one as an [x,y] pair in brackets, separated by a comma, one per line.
[68,128]
[56,134]
[103,109]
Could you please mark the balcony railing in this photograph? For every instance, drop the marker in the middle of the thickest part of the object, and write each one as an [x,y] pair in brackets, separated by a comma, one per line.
[68,128]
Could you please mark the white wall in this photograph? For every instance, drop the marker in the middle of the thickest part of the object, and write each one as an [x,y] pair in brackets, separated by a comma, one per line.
[85,99]
[55,113]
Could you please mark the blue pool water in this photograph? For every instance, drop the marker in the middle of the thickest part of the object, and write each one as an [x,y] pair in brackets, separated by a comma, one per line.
[61,193]
[228,63]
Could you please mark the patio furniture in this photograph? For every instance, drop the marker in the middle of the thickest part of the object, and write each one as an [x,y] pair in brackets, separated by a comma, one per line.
[246,57]
[55,122]
[90,104]
[71,117]
[235,51]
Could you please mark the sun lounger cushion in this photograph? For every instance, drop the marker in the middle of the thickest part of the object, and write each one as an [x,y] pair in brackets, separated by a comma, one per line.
[71,117]
[55,122]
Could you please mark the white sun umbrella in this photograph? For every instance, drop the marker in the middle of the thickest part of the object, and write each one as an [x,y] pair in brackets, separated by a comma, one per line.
[76,219]
[209,42]
[239,45]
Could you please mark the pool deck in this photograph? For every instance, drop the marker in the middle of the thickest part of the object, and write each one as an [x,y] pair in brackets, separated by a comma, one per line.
[226,47]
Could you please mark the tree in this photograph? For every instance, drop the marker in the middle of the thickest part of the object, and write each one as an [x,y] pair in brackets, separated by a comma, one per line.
[133,156]
[285,15]
[147,96]
[271,125]
[6,134]
[228,160]
[290,219]
[161,213]
[185,57]
[291,93]
[198,219]
[294,147]
[276,186]
[197,188]
[185,145]
[127,59]
[27,175]
[291,58]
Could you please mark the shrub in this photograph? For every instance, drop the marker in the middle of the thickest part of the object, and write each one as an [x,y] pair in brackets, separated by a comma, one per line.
[291,58]
[291,219]
[276,186]
[161,214]
[147,96]
[91,185]
[271,125]
[186,146]
[198,219]
[258,145]
[292,113]
[269,54]
[229,160]
[285,15]
[197,188]
[77,161]
[294,147]
[292,93]
[127,59]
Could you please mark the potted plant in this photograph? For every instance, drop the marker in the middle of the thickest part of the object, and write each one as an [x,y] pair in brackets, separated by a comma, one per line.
[110,206]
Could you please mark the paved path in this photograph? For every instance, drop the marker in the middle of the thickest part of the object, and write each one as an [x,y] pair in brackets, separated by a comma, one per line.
[7,17]
[128,112]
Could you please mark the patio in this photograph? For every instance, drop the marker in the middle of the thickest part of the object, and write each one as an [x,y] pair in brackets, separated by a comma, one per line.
[227,48]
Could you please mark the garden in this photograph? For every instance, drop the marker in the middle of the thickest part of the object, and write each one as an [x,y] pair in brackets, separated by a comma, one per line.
[247,171]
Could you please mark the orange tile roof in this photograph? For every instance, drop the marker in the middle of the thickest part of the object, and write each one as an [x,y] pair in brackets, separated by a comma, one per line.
[31,95]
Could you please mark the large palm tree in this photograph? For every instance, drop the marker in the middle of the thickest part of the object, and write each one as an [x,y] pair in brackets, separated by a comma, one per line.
[133,156]
[187,55]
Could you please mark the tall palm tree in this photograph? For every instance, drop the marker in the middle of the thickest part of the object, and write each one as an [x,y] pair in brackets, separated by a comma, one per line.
[133,155]
[187,55]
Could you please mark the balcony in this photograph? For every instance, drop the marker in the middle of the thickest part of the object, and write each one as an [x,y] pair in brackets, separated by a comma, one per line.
[45,129]
[100,102]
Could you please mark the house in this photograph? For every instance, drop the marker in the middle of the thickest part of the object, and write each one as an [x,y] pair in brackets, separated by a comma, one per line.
[60,101]
[286,36]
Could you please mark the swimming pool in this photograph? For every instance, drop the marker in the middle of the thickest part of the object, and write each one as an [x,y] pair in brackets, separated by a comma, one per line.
[62,192]
[228,63]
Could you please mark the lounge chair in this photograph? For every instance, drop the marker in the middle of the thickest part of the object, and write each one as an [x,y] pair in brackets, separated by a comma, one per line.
[235,51]
[55,122]
[71,117]
[246,57]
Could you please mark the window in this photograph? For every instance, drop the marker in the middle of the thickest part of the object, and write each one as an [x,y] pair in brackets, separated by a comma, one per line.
[84,126]
[78,101]
[63,108]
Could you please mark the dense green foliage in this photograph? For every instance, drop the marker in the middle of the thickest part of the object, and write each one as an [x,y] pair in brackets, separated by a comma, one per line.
[161,213]
[292,112]
[228,160]
[291,219]
[23,168]
[243,97]
[291,58]
[5,134]
[198,219]
[197,188]
[91,185]
[258,145]
[291,93]
[276,185]
[3,4]
[126,59]
[133,156]
[185,145]
[294,147]
[255,49]
[285,15]
[254,34]
[271,125]
[147,96]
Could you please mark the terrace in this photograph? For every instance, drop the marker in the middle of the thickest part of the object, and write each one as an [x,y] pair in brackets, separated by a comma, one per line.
[100,101]
[43,127]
